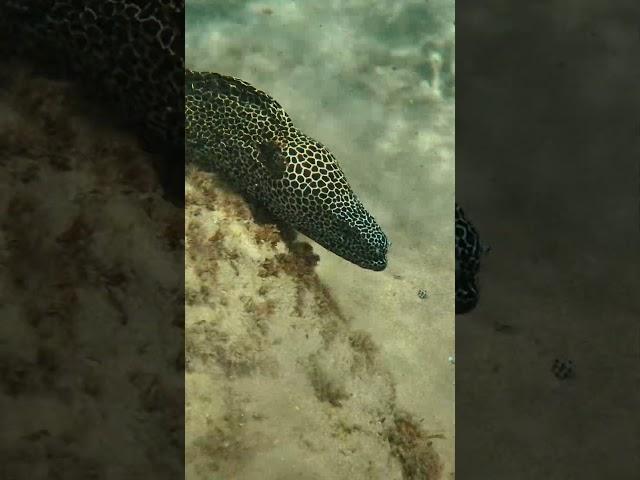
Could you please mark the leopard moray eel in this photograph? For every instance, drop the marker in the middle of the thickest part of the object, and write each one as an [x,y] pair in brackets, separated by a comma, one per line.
[244,135]
[134,52]
[468,253]
[129,52]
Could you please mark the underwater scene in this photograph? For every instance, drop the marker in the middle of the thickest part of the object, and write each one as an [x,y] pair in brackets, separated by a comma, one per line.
[319,284]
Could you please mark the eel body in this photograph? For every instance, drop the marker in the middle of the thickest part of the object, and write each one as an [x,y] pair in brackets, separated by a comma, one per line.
[468,252]
[130,53]
[245,135]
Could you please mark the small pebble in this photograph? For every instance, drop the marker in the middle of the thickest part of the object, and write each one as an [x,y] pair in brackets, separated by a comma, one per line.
[563,369]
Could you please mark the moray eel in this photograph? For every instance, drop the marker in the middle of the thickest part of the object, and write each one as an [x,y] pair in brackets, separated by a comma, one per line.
[243,134]
[129,52]
[468,253]
[132,53]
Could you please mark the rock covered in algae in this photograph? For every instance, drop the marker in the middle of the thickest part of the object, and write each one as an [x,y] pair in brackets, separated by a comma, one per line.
[278,385]
[91,356]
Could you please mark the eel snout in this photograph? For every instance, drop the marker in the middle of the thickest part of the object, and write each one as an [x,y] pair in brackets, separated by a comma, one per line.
[310,190]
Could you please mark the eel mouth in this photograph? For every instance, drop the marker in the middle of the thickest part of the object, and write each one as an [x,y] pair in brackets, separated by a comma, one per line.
[367,253]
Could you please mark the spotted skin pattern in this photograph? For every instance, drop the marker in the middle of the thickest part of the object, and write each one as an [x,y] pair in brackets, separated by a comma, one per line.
[130,52]
[242,133]
[468,252]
